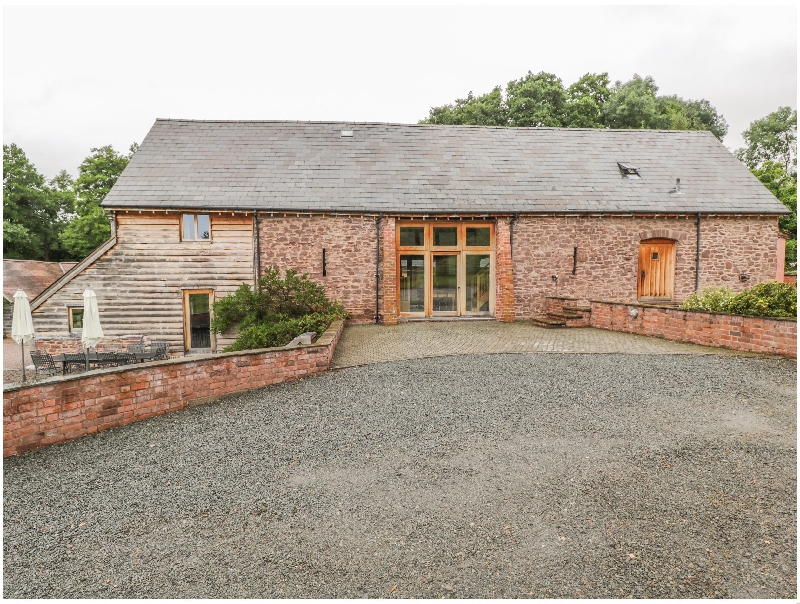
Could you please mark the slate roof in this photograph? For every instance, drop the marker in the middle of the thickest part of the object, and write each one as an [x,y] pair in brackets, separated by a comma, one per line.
[402,168]
[31,276]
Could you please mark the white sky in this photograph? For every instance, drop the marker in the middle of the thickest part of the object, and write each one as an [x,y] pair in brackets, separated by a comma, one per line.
[81,77]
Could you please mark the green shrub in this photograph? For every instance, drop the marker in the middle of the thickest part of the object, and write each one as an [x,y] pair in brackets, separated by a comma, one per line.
[770,299]
[791,256]
[276,312]
[709,299]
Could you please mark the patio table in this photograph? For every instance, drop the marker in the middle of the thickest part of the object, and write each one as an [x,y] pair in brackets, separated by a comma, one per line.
[104,360]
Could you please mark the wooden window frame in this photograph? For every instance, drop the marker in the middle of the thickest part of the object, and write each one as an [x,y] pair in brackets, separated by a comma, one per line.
[428,250]
[70,319]
[194,216]
[187,331]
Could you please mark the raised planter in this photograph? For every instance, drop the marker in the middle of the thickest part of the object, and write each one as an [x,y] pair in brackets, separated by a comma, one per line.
[771,335]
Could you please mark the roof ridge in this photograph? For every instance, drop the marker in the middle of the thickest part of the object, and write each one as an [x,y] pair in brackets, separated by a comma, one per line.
[357,123]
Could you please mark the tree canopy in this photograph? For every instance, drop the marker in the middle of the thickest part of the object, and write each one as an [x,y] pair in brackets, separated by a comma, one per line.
[60,219]
[96,175]
[771,155]
[34,212]
[592,102]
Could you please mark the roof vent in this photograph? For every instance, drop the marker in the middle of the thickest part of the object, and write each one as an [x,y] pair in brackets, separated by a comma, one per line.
[677,188]
[347,133]
[629,170]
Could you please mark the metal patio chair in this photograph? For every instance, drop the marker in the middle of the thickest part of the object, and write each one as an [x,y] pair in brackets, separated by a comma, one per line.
[74,362]
[43,363]
[161,349]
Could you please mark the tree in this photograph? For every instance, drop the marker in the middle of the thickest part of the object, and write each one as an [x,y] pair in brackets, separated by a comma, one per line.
[771,139]
[585,99]
[634,105]
[536,100]
[486,110]
[96,175]
[34,214]
[771,155]
[541,100]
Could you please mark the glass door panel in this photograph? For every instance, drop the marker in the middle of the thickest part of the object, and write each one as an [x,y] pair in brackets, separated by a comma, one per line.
[478,282]
[199,321]
[445,283]
[412,283]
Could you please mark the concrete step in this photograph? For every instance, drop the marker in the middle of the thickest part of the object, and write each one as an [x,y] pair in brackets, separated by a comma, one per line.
[543,321]
[564,315]
[577,308]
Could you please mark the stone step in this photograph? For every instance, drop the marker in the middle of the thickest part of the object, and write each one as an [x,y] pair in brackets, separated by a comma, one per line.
[543,321]
[577,308]
[564,315]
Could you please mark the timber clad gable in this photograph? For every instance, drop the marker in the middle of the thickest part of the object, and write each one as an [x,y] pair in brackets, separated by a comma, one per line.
[139,281]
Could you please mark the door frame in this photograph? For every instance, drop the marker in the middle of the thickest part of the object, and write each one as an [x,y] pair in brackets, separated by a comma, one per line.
[670,277]
[428,250]
[187,331]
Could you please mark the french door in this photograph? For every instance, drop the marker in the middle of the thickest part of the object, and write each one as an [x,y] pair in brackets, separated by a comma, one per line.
[445,269]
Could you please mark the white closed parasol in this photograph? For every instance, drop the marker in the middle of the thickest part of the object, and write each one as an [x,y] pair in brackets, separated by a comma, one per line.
[92,332]
[22,324]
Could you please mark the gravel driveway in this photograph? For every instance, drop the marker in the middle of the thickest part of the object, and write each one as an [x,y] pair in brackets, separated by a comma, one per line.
[467,476]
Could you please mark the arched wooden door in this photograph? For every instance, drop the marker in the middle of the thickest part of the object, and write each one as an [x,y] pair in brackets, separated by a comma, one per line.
[656,269]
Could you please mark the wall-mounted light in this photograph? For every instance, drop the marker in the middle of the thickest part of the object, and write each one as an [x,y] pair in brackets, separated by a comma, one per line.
[634,313]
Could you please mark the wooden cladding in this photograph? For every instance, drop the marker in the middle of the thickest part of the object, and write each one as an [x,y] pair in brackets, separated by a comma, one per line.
[656,269]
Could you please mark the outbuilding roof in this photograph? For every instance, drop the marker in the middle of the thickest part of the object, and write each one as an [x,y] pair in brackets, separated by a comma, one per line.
[31,276]
[414,168]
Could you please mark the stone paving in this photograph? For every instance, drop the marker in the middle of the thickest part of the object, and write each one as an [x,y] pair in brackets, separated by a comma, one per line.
[365,344]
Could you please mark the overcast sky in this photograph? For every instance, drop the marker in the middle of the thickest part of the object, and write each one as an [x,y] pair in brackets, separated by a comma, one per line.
[82,77]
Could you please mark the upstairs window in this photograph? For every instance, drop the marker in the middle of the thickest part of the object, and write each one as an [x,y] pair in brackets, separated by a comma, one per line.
[629,171]
[196,227]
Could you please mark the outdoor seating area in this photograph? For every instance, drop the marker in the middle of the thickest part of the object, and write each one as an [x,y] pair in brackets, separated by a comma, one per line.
[69,363]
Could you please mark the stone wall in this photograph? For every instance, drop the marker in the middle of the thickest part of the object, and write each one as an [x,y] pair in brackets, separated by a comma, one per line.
[608,248]
[748,334]
[291,241]
[60,409]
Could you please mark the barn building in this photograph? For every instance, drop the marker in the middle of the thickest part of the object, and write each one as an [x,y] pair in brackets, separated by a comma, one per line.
[409,222]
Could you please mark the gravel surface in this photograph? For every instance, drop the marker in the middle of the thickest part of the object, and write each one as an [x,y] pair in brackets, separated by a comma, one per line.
[470,476]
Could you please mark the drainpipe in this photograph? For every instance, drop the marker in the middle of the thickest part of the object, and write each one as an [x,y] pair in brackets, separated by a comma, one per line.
[256,248]
[511,234]
[377,265]
[697,258]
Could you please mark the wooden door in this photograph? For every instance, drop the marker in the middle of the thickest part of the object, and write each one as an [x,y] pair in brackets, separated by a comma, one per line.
[656,269]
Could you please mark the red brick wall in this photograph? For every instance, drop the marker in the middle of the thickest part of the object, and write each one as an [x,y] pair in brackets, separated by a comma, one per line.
[504,272]
[349,241]
[62,345]
[608,255]
[64,408]
[749,334]
[389,285]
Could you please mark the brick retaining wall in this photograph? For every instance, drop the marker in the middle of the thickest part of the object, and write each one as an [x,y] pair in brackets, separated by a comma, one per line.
[60,409]
[748,334]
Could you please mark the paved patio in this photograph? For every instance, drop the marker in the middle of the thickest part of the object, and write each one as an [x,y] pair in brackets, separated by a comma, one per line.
[365,344]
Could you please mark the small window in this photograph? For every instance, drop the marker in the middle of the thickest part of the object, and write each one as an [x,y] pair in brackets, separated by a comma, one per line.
[75,318]
[629,171]
[196,227]
[479,237]
[412,236]
[655,256]
[445,236]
